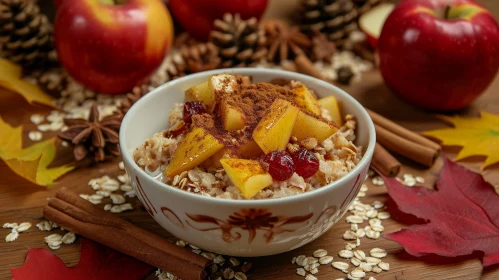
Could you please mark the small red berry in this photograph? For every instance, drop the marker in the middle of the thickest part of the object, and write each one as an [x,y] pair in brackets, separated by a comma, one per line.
[281,165]
[306,162]
[192,108]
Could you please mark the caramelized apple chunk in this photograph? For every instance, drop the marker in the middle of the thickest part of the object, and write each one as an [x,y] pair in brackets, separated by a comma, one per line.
[247,175]
[232,116]
[331,105]
[309,126]
[306,100]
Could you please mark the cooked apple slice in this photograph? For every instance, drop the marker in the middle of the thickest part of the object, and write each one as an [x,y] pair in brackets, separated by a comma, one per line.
[274,129]
[214,160]
[196,147]
[232,116]
[331,105]
[249,149]
[309,126]
[201,93]
[247,175]
[305,99]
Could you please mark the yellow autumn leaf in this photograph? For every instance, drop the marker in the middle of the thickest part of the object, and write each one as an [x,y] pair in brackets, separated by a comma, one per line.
[477,136]
[32,162]
[10,78]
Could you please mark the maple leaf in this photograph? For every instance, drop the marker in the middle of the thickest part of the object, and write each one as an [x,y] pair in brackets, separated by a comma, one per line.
[10,78]
[97,262]
[462,215]
[477,136]
[32,162]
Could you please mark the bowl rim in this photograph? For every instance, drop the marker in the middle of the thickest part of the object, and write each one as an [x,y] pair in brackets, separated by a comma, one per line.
[308,80]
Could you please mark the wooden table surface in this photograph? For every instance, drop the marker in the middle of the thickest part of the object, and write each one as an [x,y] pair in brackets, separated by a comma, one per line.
[21,201]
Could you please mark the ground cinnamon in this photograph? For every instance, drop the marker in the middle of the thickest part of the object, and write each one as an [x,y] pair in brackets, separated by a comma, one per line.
[384,162]
[71,212]
[412,150]
[402,132]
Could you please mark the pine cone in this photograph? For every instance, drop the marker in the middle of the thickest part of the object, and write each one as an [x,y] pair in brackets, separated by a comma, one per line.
[240,42]
[93,137]
[284,42]
[25,33]
[133,96]
[193,59]
[334,18]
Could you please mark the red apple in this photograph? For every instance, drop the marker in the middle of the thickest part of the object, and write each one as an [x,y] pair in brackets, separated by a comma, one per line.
[371,22]
[197,16]
[111,46]
[439,54]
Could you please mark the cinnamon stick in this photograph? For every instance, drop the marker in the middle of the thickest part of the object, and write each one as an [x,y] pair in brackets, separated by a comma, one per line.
[70,211]
[384,162]
[402,132]
[305,66]
[412,150]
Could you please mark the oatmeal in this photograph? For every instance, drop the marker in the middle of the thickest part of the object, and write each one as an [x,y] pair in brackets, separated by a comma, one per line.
[236,140]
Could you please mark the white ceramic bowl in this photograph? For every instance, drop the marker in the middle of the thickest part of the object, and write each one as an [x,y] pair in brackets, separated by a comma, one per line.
[241,227]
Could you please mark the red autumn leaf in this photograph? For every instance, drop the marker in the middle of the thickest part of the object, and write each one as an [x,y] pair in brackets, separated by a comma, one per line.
[97,262]
[462,215]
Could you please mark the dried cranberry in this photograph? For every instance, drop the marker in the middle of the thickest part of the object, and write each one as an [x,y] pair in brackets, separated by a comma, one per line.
[192,108]
[306,162]
[281,165]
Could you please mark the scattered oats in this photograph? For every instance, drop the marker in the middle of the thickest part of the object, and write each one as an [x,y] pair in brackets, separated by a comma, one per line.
[378,253]
[123,178]
[208,255]
[371,278]
[372,260]
[357,242]
[54,241]
[300,271]
[365,267]
[103,193]
[372,234]
[343,266]
[196,251]
[314,270]
[219,259]
[379,228]
[121,165]
[65,144]
[383,215]
[299,260]
[108,207]
[84,196]
[320,253]
[233,261]
[349,276]
[45,225]
[37,118]
[131,194]
[358,273]
[53,237]
[94,199]
[350,246]
[310,277]
[419,179]
[364,188]
[68,238]
[353,219]
[246,267]
[355,261]
[360,232]
[193,246]
[349,235]
[44,127]
[345,254]
[410,182]
[312,260]
[378,204]
[10,225]
[115,209]
[180,243]
[385,266]
[293,260]
[377,181]
[228,273]
[241,276]
[326,260]
[23,227]
[35,135]
[374,221]
[376,269]
[12,236]
[126,188]
[117,198]
[372,213]
[354,227]
[359,254]
[361,194]
[125,207]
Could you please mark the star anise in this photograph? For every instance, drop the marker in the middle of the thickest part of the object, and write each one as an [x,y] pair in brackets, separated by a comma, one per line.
[322,48]
[284,42]
[93,137]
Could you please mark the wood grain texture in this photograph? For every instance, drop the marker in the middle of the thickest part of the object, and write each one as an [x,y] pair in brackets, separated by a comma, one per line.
[21,201]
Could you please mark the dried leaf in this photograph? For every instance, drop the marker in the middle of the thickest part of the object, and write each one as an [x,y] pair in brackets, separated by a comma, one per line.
[477,136]
[10,78]
[462,215]
[96,262]
[30,163]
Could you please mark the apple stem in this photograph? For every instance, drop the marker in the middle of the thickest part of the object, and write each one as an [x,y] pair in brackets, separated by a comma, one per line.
[447,11]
